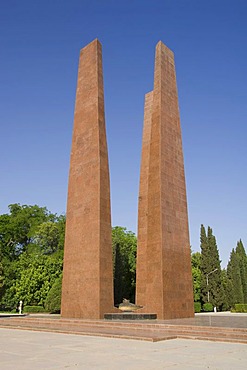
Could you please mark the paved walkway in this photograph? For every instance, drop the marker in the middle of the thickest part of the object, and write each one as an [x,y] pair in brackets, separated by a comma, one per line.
[27,350]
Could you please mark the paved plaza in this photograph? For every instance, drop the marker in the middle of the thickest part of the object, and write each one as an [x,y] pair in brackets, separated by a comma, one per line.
[30,350]
[27,350]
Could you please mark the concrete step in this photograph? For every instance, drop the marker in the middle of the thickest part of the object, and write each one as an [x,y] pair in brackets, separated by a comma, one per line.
[128,330]
[132,325]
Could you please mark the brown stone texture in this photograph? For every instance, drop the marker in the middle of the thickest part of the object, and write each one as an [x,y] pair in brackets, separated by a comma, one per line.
[164,279]
[141,274]
[87,290]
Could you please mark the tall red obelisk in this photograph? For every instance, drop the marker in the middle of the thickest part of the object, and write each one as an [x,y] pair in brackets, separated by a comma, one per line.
[87,289]
[164,279]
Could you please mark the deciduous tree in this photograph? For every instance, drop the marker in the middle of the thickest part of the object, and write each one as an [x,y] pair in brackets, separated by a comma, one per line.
[124,257]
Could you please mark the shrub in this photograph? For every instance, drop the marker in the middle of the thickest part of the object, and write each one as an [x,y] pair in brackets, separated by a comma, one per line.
[208,307]
[240,307]
[33,309]
[197,306]
[53,300]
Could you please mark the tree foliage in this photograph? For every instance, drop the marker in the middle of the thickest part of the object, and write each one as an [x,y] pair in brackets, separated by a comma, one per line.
[124,261]
[235,289]
[237,276]
[31,250]
[50,236]
[18,228]
[242,262]
[53,299]
[35,275]
[196,275]
[226,305]
[211,280]
[31,261]
[1,274]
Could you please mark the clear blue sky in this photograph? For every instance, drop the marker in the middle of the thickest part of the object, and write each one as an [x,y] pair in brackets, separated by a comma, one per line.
[39,50]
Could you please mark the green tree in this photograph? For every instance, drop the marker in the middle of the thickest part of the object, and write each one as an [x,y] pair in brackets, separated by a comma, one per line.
[1,274]
[119,275]
[53,299]
[18,228]
[26,233]
[204,264]
[211,280]
[124,263]
[234,284]
[226,305]
[196,275]
[61,223]
[242,262]
[48,237]
[33,277]
[10,274]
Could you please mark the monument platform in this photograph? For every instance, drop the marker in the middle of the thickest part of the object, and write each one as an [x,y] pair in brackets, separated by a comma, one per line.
[213,327]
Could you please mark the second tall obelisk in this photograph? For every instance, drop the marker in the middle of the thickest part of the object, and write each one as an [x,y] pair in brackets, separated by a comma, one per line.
[164,279]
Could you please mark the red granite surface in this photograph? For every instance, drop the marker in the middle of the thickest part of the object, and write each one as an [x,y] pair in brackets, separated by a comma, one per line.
[164,279]
[87,290]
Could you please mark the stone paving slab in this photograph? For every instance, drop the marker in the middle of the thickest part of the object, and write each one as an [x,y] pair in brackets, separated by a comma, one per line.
[28,350]
[213,320]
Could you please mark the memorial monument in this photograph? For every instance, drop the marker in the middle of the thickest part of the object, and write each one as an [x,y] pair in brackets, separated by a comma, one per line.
[163,274]
[164,280]
[87,289]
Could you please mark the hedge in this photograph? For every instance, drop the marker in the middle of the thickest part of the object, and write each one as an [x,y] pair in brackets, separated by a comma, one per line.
[208,307]
[33,309]
[197,307]
[240,307]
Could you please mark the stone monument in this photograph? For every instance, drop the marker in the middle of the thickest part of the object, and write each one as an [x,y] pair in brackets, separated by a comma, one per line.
[87,288]
[164,279]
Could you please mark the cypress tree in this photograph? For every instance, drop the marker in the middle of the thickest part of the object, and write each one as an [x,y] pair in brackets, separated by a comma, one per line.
[211,280]
[235,288]
[215,279]
[224,279]
[204,264]
[242,261]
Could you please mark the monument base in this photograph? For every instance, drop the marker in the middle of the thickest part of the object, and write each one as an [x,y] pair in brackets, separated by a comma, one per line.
[130,316]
